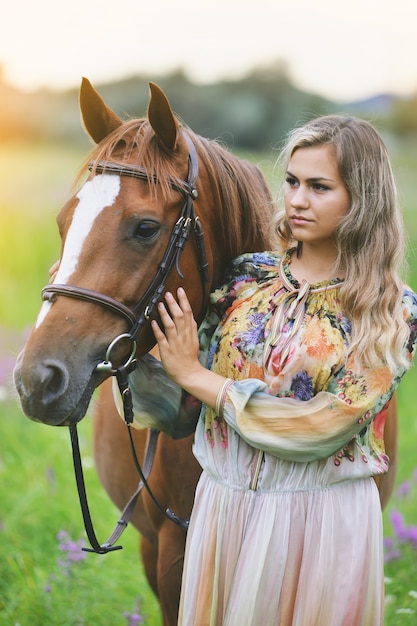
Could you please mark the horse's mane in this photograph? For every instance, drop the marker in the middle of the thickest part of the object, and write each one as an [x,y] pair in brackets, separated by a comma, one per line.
[237,186]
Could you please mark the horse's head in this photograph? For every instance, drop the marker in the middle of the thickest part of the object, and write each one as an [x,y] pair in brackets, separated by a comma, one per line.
[133,230]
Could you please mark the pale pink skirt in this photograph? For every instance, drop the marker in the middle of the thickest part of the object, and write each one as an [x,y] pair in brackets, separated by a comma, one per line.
[284,558]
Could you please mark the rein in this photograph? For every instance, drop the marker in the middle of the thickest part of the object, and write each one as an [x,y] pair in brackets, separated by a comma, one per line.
[136,318]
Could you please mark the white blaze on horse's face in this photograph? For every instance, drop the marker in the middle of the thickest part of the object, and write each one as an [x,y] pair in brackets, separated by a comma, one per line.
[94,196]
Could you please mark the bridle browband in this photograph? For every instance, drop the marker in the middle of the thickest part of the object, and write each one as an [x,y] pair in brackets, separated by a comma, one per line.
[136,318]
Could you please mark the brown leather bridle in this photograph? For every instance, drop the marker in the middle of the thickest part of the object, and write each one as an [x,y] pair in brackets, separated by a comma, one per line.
[138,314]
[136,318]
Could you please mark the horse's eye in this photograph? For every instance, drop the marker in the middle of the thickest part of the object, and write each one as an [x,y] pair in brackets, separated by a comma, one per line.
[146,230]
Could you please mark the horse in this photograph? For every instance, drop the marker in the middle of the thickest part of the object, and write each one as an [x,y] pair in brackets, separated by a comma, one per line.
[119,230]
[115,230]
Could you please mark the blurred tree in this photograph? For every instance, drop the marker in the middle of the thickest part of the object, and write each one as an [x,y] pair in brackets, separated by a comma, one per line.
[252,113]
[403,120]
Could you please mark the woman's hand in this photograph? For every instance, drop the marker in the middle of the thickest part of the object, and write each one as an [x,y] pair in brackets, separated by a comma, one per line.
[178,343]
[178,348]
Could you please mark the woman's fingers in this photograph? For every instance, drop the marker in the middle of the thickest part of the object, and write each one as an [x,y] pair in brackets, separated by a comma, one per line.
[176,317]
[182,307]
[174,308]
[186,311]
[166,318]
[176,335]
[183,300]
[179,314]
[159,335]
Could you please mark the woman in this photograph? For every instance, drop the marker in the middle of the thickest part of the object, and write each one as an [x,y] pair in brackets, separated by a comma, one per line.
[299,357]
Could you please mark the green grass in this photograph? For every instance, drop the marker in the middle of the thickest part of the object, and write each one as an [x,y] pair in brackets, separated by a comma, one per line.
[39,500]
[38,497]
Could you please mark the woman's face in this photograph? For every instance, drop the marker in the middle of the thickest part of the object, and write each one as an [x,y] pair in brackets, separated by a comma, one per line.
[315,196]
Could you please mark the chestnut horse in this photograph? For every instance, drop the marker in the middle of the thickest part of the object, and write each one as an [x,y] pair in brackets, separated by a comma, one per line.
[115,230]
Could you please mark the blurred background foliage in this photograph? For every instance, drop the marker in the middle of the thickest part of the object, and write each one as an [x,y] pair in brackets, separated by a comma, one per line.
[251,113]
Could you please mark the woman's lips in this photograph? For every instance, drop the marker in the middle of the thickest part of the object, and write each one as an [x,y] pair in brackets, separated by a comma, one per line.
[298,219]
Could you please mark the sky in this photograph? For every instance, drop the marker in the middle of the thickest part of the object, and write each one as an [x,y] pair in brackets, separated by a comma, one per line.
[343,50]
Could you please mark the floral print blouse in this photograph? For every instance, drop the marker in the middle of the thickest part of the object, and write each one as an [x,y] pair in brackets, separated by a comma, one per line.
[284,345]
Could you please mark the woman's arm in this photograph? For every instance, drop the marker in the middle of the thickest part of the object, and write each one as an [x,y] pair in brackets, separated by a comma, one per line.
[285,427]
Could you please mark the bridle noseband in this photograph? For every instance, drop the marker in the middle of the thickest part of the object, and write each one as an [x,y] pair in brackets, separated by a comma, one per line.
[136,317]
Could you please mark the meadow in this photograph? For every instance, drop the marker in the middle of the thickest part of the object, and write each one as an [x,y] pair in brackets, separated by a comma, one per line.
[45,578]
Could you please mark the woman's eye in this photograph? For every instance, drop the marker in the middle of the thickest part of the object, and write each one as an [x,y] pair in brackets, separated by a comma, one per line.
[320,187]
[290,181]
[146,230]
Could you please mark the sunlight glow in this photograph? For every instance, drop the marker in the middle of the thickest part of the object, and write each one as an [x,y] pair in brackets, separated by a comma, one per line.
[340,50]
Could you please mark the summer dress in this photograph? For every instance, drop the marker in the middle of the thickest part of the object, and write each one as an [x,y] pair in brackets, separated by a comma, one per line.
[286,529]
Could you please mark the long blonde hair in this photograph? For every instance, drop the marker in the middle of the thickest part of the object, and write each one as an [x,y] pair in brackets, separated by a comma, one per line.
[370,238]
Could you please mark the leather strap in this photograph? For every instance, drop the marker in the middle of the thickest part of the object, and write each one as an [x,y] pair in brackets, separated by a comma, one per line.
[136,318]
[108,545]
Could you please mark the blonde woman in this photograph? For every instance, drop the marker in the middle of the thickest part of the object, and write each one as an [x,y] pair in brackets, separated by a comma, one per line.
[300,355]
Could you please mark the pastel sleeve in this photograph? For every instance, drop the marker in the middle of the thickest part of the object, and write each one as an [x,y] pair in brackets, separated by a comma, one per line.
[158,402]
[301,430]
[317,428]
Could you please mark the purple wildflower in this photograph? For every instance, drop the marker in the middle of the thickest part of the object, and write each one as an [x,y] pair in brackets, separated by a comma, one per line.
[403,489]
[7,363]
[133,618]
[72,549]
[392,555]
[390,551]
[404,536]
[412,535]
[398,525]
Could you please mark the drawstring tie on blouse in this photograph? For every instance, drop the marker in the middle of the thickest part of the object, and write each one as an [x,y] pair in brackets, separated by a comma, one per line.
[291,309]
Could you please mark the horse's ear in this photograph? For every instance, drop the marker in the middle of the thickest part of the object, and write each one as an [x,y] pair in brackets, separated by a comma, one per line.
[161,117]
[99,121]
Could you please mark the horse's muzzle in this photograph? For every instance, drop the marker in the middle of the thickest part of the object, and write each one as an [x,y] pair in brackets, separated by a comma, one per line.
[48,392]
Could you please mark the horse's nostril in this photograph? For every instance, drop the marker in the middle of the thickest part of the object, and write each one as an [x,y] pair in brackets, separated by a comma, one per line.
[54,383]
